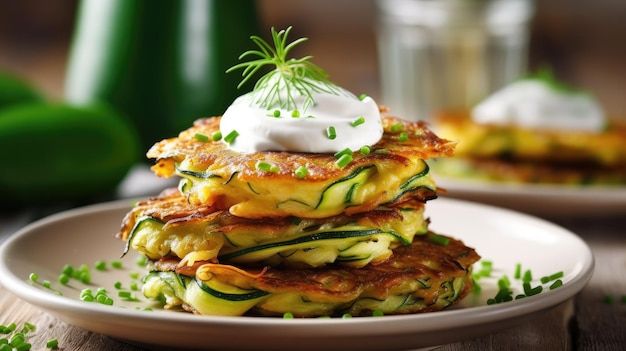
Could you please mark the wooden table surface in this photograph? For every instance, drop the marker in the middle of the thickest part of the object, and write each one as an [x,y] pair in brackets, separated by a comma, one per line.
[586,322]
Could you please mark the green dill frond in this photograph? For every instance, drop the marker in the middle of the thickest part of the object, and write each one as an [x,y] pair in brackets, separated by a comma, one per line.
[289,79]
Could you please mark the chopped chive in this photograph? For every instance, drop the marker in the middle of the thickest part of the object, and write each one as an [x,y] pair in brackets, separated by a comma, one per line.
[134,275]
[30,326]
[201,137]
[608,299]
[504,293]
[64,279]
[556,284]
[528,276]
[52,343]
[358,121]
[288,315]
[101,298]
[124,294]
[486,268]
[276,113]
[116,264]
[530,291]
[295,113]
[118,285]
[101,295]
[11,327]
[67,269]
[46,284]
[344,160]
[518,271]
[301,172]
[438,239]
[17,339]
[504,282]
[378,313]
[85,277]
[100,265]
[403,136]
[24,346]
[346,316]
[331,133]
[365,150]
[133,286]
[362,96]
[266,167]
[623,299]
[397,127]
[345,151]
[230,138]
[552,277]
[216,136]
[263,166]
[142,260]
[34,277]
[476,288]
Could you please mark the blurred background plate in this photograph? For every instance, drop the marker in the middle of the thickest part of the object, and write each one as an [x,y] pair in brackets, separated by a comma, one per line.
[544,200]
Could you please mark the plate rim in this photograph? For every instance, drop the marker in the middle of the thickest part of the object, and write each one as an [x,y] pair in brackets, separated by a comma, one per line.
[594,201]
[454,318]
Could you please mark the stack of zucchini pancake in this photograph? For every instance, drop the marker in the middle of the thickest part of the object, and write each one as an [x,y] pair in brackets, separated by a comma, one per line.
[538,130]
[308,233]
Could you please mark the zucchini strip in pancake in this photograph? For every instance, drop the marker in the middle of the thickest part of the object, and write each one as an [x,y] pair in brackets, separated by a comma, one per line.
[420,277]
[169,226]
[394,171]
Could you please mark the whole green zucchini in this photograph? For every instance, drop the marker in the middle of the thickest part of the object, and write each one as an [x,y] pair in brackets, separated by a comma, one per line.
[162,63]
[56,152]
[16,90]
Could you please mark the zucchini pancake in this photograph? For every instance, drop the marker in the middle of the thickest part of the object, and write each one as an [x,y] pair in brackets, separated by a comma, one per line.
[524,155]
[536,130]
[301,199]
[392,172]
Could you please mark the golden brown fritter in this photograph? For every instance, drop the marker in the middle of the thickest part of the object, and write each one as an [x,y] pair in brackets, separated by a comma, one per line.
[170,226]
[421,277]
[213,174]
[516,154]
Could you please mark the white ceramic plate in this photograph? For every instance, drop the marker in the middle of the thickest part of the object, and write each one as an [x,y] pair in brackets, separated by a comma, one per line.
[540,199]
[86,235]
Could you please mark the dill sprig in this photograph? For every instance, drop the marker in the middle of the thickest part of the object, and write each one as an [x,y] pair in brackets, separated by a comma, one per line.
[290,78]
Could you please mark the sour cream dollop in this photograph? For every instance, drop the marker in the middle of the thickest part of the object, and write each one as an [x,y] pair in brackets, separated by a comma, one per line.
[356,122]
[534,104]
